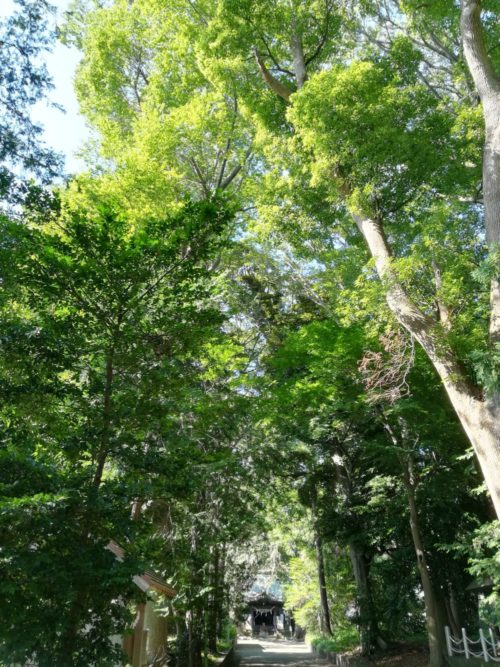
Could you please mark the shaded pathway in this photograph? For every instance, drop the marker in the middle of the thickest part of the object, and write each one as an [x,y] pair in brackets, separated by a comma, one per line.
[274,653]
[285,653]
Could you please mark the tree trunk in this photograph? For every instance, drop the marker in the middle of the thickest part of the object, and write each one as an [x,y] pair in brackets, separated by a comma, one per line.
[68,642]
[433,616]
[326,626]
[181,639]
[299,65]
[453,612]
[106,418]
[274,84]
[450,619]
[196,638]
[77,609]
[369,636]
[325,623]
[480,420]
[491,197]
[221,590]
[487,83]
[368,625]
[214,601]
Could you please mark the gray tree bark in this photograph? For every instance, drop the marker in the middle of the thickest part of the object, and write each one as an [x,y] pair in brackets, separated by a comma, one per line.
[273,83]
[368,626]
[487,83]
[434,605]
[326,626]
[435,627]
[213,602]
[480,419]
[299,64]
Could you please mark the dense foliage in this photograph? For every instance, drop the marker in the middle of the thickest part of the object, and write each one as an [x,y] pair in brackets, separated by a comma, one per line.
[261,332]
[24,80]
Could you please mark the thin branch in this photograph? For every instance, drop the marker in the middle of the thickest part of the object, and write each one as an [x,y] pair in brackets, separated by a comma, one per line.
[230,178]
[197,169]
[197,11]
[324,36]
[274,60]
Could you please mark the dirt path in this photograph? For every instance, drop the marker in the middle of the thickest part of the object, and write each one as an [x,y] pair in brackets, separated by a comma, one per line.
[280,652]
[274,653]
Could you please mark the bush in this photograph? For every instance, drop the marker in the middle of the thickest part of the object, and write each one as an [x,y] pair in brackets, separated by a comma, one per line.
[342,640]
[229,634]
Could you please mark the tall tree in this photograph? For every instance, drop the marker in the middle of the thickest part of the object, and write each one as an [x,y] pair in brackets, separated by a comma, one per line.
[96,359]
[376,160]
[25,36]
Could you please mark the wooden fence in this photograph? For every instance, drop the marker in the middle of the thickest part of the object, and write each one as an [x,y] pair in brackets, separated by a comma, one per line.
[486,647]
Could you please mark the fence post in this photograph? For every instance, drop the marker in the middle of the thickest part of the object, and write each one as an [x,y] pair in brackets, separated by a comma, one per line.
[484,646]
[493,643]
[448,641]
[466,648]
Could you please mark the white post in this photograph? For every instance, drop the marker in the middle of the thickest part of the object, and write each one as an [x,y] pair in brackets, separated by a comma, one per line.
[466,648]
[448,641]
[493,643]
[484,646]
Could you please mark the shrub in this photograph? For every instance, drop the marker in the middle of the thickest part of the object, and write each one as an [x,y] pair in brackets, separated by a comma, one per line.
[342,640]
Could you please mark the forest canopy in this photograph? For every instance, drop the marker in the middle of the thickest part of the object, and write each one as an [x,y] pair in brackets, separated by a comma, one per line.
[259,332]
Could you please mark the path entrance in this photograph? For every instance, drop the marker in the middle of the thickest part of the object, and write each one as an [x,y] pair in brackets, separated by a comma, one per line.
[274,653]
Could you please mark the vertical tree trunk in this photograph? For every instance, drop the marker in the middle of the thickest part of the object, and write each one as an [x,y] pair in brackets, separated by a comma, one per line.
[487,83]
[368,626]
[433,614]
[453,612]
[106,418]
[214,600]
[70,633]
[299,65]
[77,608]
[325,624]
[191,651]
[491,197]
[221,591]
[181,640]
[196,638]
[197,602]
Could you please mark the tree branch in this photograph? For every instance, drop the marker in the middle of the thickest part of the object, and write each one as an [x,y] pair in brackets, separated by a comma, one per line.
[230,177]
[443,311]
[323,38]
[485,78]
[198,171]
[234,172]
[273,83]
[275,62]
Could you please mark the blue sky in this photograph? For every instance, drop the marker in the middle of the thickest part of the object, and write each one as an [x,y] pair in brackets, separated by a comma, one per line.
[66,132]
